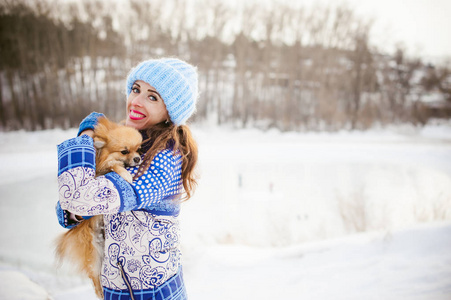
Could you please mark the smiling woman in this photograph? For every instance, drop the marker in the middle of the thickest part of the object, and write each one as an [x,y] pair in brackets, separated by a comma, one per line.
[145,106]
[141,235]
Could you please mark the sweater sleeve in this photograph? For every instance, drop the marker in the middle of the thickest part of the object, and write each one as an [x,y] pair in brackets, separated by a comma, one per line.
[80,191]
[84,194]
[160,187]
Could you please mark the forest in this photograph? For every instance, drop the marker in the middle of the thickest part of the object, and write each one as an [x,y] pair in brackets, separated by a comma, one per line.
[263,66]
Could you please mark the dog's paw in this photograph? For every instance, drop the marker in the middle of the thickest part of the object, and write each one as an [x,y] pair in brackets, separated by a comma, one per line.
[124,174]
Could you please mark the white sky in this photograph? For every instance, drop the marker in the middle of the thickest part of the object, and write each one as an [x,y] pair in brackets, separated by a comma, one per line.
[423,26]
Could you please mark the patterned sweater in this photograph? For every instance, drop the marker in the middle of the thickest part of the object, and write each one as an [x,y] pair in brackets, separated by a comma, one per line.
[141,225]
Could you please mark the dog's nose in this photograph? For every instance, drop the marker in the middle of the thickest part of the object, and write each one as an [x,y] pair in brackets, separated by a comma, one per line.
[137,160]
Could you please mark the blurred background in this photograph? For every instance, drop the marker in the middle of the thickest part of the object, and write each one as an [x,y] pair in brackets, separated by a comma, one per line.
[290,65]
[324,130]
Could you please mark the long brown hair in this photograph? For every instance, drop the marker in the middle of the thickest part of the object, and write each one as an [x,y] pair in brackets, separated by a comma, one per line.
[167,135]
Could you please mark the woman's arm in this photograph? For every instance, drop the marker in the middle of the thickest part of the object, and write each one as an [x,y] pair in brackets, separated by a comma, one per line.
[81,193]
[160,187]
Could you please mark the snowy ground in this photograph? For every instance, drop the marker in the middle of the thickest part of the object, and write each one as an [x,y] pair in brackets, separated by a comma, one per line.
[276,216]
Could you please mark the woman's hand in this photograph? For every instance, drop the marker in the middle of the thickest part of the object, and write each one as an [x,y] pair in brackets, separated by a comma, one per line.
[89,123]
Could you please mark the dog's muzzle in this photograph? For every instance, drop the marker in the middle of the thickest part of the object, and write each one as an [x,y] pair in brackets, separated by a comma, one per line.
[132,162]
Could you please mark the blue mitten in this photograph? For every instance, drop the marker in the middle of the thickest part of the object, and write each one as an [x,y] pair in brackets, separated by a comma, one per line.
[89,122]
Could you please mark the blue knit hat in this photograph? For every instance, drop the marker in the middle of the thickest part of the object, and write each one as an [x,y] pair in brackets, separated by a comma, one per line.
[176,82]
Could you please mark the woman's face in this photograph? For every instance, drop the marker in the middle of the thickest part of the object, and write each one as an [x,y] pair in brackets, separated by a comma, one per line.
[145,107]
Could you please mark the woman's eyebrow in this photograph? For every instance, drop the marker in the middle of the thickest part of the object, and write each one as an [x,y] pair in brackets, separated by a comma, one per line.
[154,91]
[149,90]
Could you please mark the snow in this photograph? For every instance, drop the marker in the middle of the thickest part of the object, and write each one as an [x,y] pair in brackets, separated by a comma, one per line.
[411,264]
[349,215]
[11,280]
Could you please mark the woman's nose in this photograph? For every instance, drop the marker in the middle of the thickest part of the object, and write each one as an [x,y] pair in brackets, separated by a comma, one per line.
[137,101]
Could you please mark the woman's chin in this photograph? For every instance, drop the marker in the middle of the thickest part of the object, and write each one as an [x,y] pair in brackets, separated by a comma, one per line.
[133,124]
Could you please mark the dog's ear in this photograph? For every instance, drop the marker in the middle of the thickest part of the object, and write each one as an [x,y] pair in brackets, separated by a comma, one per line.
[99,143]
[107,124]
[101,130]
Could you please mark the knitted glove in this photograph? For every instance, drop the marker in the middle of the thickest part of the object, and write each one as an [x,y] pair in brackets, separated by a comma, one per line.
[89,122]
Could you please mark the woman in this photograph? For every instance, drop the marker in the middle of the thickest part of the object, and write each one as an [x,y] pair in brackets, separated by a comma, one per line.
[142,251]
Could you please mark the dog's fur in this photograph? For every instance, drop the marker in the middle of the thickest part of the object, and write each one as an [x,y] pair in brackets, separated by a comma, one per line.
[117,147]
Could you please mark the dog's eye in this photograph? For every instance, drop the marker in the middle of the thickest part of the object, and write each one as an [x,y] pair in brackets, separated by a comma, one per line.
[125,152]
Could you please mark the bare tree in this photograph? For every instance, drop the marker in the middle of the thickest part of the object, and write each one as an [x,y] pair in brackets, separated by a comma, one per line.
[294,68]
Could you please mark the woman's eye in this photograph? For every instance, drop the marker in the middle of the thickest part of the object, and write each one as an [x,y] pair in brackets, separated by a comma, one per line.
[135,90]
[153,98]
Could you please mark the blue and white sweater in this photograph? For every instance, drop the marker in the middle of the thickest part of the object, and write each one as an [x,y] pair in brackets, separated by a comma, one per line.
[141,225]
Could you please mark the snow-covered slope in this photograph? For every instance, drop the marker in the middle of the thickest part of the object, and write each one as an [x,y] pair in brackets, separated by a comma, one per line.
[276,216]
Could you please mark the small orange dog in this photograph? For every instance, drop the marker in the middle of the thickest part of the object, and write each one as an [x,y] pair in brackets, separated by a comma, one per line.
[117,147]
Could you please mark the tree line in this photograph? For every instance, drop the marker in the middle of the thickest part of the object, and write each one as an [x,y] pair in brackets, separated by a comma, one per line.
[292,68]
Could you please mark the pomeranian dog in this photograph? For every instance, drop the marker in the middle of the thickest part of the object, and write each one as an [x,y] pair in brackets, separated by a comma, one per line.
[117,147]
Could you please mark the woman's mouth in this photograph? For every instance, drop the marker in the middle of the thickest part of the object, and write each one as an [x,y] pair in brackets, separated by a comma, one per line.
[136,115]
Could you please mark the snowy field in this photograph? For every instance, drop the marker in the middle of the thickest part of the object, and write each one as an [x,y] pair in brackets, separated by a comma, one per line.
[276,216]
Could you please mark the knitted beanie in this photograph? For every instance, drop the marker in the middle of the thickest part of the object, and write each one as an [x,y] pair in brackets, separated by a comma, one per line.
[176,82]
